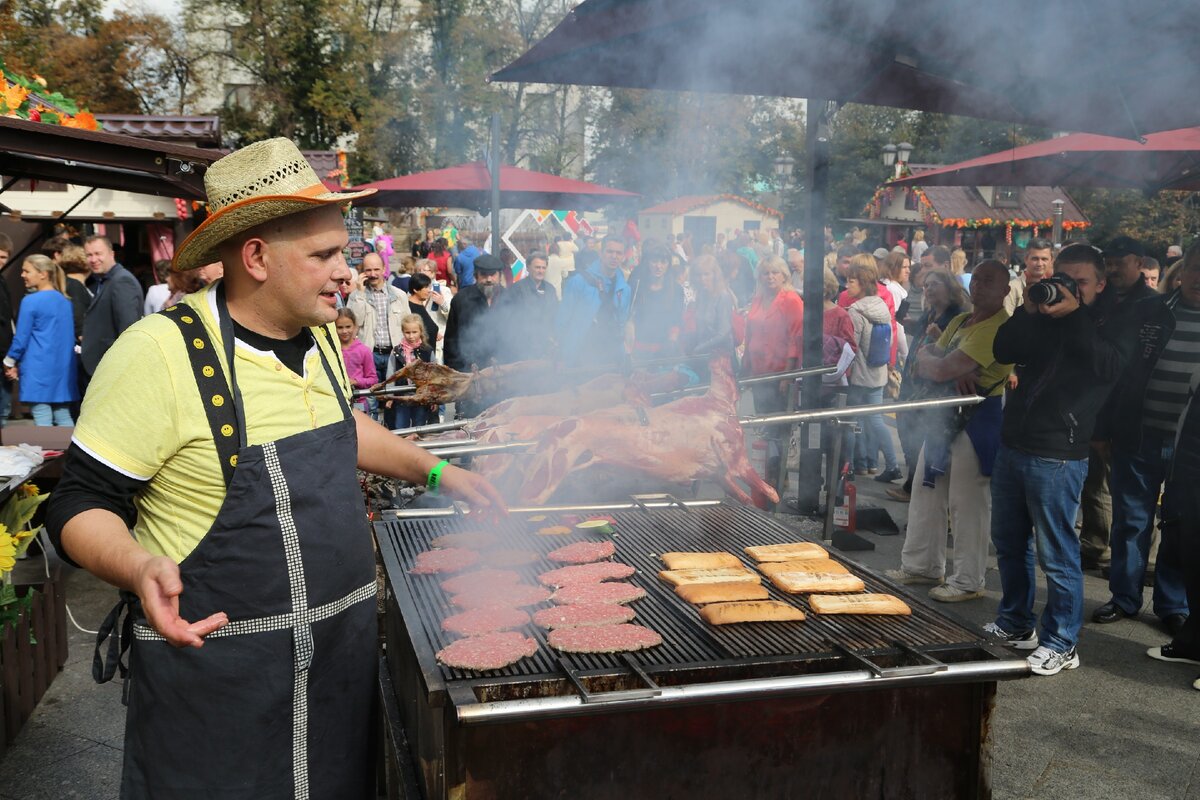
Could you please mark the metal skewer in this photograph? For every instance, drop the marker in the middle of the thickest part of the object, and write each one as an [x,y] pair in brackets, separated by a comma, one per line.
[860,411]
[477,449]
[435,427]
[774,376]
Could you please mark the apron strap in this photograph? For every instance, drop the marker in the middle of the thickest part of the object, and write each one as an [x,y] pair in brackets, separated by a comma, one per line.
[220,404]
[119,633]
[335,380]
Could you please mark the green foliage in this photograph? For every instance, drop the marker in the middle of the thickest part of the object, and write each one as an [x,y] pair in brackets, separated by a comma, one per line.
[1166,218]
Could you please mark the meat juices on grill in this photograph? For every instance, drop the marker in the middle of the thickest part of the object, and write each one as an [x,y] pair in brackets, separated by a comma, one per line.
[583,552]
[491,578]
[586,573]
[478,621]
[685,440]
[583,615]
[615,592]
[603,639]
[451,559]
[490,651]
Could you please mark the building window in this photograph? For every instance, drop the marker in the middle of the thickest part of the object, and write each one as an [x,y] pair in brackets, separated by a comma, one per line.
[911,203]
[1007,197]
[751,225]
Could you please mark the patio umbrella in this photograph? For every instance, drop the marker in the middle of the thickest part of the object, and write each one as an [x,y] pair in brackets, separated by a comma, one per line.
[1107,66]
[469,186]
[1167,160]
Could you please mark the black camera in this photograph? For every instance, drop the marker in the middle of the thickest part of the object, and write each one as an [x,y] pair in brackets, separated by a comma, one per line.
[1050,291]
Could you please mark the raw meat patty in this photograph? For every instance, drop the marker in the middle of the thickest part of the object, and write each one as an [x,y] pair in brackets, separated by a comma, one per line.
[511,558]
[501,597]
[603,639]
[589,593]
[491,578]
[491,651]
[479,621]
[583,616]
[472,540]
[586,573]
[583,552]
[452,559]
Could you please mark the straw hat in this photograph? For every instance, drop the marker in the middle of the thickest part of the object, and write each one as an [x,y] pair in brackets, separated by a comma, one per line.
[259,183]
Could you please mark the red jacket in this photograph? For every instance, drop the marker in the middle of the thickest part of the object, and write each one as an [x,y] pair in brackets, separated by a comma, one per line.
[774,332]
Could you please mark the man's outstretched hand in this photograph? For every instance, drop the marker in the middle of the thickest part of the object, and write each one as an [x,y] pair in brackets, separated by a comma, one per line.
[159,586]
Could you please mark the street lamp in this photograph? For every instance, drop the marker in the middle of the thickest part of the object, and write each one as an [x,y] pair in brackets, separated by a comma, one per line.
[902,152]
[1058,222]
[784,167]
[889,155]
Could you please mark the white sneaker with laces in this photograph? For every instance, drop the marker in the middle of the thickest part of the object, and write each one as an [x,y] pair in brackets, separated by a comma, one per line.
[1017,641]
[1045,661]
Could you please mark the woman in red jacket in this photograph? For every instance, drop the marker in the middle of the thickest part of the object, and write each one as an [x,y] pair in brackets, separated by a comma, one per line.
[774,338]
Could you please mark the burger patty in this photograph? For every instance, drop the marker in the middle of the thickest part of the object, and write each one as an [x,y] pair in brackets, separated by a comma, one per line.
[511,558]
[492,578]
[479,621]
[613,593]
[583,616]
[501,597]
[472,540]
[490,651]
[583,552]
[586,573]
[451,559]
[603,639]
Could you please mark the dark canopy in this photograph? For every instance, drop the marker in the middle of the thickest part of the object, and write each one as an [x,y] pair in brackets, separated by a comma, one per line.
[1107,66]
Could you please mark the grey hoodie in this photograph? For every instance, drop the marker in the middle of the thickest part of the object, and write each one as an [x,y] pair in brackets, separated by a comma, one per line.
[864,313]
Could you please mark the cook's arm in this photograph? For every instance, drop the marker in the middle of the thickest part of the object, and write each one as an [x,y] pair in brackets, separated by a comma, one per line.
[384,453]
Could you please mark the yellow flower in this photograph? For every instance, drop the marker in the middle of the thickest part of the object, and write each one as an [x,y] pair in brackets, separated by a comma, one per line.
[21,536]
[8,552]
[29,489]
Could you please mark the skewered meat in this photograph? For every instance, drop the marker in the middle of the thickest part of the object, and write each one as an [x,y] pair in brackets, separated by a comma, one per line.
[491,651]
[685,440]
[437,384]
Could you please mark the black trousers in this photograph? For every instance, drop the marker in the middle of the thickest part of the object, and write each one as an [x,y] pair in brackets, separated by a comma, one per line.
[1181,509]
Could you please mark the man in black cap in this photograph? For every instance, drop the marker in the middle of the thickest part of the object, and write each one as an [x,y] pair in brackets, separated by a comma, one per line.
[1125,286]
[472,340]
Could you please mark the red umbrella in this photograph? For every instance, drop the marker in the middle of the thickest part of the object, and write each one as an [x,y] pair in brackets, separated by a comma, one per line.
[1167,160]
[469,186]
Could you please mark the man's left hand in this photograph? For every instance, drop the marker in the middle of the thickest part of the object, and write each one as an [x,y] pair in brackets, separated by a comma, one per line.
[1067,305]
[476,490]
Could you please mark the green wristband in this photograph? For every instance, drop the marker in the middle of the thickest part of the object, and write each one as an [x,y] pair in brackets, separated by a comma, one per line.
[435,477]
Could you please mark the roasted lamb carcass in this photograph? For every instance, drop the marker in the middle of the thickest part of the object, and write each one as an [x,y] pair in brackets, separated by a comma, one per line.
[685,440]
[438,384]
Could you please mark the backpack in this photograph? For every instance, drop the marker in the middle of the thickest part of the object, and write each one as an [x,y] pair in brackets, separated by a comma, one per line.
[879,350]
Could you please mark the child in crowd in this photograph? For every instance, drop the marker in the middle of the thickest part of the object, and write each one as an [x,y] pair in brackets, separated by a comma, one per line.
[360,364]
[414,346]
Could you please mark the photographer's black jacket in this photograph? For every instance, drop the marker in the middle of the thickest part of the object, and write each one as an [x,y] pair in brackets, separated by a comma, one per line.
[1069,365]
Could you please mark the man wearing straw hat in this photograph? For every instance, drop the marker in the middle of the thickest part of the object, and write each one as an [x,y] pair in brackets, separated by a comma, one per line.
[222,426]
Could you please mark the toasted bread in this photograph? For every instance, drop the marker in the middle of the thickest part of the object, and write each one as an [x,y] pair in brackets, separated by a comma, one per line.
[859,604]
[701,593]
[679,577]
[701,561]
[806,582]
[826,565]
[786,552]
[750,611]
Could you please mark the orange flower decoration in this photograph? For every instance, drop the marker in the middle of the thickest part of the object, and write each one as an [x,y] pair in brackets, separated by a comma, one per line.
[12,96]
[83,120]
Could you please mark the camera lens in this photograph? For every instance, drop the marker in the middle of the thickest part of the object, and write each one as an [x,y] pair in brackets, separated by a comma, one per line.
[1045,293]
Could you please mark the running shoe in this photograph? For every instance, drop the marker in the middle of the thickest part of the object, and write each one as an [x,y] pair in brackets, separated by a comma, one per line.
[1018,641]
[1045,661]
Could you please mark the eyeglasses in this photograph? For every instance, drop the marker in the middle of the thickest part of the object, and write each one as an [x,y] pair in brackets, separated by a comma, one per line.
[346,281]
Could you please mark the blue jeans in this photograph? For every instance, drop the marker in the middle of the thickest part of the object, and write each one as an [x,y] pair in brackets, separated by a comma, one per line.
[47,414]
[5,401]
[1034,503]
[1135,483]
[875,435]
[388,417]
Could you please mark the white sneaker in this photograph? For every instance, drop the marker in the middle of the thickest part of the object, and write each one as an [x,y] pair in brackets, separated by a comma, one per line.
[1045,661]
[911,579]
[952,594]
[1017,641]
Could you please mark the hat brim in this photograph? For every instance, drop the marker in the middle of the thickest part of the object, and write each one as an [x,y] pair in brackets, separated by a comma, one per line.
[201,245]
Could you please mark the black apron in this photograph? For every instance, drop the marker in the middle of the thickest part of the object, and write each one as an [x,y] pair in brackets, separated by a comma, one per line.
[278,703]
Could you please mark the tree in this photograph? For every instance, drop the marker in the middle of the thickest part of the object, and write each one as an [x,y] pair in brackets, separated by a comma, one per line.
[1159,221]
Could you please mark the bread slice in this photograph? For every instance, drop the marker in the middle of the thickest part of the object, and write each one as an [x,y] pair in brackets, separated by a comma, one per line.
[679,577]
[859,604]
[826,565]
[701,593]
[786,552]
[804,582]
[750,611]
[701,561]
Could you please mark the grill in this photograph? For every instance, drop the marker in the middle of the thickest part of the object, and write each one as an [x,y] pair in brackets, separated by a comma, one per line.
[697,664]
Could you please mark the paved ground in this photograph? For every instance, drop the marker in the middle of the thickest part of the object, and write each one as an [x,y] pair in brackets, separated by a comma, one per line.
[1121,726]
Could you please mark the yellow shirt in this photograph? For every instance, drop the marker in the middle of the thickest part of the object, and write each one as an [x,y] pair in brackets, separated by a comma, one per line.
[143,417]
[976,341]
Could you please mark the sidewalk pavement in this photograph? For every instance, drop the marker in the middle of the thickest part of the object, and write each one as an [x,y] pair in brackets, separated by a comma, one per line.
[1120,726]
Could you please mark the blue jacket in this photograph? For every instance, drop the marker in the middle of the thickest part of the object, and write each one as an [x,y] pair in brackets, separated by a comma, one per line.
[590,322]
[44,348]
[464,266]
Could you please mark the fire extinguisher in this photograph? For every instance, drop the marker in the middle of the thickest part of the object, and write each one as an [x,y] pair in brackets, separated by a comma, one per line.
[846,499]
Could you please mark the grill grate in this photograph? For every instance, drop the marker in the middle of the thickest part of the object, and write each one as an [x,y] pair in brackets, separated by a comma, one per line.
[688,642]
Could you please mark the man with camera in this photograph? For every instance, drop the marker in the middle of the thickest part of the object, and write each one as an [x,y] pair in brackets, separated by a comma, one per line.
[1069,365]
